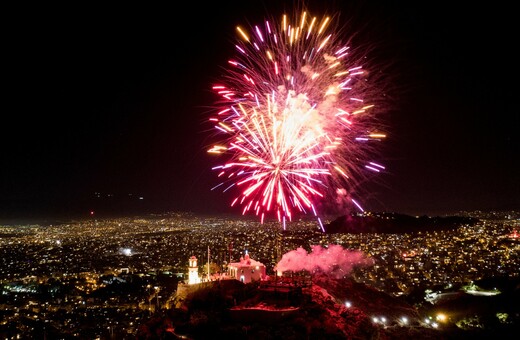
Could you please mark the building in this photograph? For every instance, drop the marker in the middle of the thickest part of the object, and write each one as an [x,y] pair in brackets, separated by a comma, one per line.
[246,270]
[193,271]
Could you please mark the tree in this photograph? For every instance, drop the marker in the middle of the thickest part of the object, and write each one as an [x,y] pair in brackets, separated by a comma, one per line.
[213,268]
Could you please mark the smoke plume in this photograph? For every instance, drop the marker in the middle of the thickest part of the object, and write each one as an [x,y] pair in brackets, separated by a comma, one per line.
[333,260]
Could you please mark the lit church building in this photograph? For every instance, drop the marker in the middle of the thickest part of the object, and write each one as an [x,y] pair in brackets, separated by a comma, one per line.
[246,270]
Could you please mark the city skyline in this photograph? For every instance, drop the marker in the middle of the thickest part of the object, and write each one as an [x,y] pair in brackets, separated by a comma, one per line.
[115,276]
[115,101]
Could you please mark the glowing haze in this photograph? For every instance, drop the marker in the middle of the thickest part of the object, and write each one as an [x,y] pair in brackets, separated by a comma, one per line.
[294,123]
[333,260]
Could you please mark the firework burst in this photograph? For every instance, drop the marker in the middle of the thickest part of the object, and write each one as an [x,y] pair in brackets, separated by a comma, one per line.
[294,123]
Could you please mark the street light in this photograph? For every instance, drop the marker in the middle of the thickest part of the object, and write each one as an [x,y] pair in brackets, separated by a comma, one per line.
[149,298]
[157,289]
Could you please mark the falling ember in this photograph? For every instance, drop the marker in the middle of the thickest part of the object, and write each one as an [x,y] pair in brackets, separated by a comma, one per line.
[293,118]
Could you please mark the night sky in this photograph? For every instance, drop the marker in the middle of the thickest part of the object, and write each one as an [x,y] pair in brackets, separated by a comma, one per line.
[115,99]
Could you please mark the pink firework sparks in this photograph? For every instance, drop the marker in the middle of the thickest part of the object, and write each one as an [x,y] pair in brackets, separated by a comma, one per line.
[293,118]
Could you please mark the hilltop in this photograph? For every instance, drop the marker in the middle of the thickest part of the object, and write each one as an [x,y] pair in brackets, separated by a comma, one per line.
[317,310]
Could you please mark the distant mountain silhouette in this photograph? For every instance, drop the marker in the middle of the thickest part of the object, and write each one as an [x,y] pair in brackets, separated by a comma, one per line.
[394,223]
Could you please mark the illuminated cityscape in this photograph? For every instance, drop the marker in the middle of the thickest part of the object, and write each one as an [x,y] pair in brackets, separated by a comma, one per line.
[154,154]
[104,277]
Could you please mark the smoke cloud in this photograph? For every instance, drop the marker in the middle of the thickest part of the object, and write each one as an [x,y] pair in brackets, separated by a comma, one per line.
[333,260]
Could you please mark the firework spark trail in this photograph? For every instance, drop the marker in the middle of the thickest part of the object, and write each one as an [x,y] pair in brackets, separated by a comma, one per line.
[293,118]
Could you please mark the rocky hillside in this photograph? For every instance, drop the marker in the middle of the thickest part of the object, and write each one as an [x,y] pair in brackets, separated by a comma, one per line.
[321,313]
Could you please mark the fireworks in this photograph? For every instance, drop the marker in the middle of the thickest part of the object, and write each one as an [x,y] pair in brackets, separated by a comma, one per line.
[295,128]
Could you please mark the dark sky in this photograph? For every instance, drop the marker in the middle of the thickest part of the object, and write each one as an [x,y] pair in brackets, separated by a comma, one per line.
[115,99]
